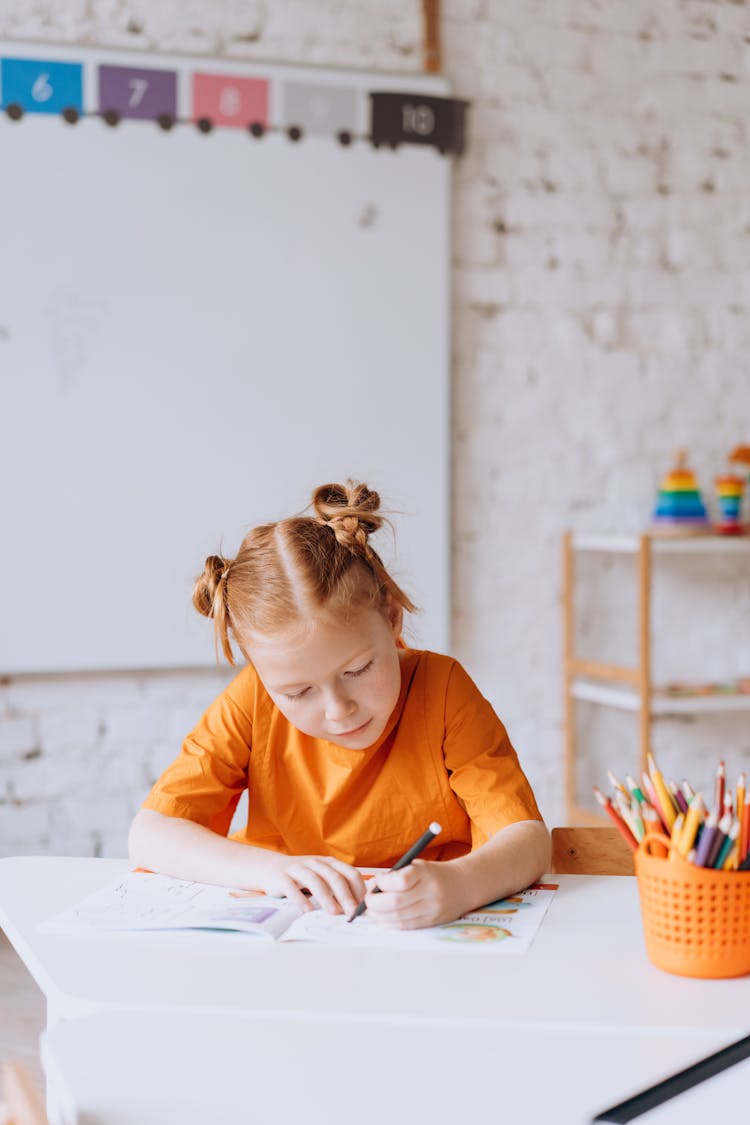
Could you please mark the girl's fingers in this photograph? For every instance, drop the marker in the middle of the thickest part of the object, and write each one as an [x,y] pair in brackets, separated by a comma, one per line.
[290,890]
[345,897]
[353,878]
[306,876]
[403,880]
[337,884]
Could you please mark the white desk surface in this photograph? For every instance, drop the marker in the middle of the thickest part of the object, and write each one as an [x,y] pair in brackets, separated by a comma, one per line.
[119,1069]
[587,967]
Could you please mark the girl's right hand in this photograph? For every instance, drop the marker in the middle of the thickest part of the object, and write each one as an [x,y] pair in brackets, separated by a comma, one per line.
[338,887]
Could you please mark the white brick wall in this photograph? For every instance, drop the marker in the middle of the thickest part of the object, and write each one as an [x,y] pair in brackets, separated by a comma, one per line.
[602,293]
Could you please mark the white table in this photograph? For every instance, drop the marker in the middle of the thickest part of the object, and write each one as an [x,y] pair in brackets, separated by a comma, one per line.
[586,969]
[194,1068]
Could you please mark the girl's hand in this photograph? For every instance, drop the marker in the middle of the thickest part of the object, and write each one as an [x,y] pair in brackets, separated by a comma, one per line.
[422,894]
[336,886]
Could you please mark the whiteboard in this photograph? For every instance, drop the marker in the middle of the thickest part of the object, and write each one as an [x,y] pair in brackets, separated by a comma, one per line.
[195,331]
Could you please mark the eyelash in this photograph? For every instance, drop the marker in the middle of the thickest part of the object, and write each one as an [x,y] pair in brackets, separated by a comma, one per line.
[361,671]
[353,674]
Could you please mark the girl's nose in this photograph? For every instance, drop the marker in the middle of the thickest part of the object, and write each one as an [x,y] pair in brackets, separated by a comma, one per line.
[339,705]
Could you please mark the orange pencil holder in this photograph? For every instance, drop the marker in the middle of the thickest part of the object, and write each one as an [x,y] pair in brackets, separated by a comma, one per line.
[696,921]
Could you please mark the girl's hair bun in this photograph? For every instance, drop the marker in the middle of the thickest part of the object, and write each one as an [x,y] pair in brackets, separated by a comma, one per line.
[207,585]
[350,510]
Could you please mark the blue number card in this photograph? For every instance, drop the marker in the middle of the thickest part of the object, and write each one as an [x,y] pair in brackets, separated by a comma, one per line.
[41,86]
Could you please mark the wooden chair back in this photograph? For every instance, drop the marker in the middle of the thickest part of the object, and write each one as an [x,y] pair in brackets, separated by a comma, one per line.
[590,851]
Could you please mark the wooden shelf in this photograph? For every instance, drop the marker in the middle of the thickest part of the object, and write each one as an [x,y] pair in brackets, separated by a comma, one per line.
[631,688]
[627,699]
[662,545]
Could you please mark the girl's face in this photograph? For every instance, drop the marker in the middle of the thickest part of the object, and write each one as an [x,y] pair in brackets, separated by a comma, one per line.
[338,681]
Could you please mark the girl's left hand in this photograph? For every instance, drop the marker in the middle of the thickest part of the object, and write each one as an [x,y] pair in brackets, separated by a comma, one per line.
[422,894]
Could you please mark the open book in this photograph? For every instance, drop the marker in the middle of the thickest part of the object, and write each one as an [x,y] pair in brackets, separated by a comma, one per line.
[141,900]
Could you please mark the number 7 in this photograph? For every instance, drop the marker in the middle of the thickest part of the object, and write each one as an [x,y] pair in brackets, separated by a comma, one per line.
[138,87]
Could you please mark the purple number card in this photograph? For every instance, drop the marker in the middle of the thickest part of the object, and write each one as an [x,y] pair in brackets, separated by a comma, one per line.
[137,92]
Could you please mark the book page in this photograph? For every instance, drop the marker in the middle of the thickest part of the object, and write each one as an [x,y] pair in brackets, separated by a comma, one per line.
[507,926]
[142,900]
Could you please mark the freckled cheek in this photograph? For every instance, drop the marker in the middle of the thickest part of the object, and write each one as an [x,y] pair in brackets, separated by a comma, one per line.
[386,692]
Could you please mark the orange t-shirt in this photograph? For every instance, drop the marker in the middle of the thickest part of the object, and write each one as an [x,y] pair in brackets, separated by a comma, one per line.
[444,755]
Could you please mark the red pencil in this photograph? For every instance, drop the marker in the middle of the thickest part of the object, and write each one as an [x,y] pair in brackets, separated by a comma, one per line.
[619,823]
[719,795]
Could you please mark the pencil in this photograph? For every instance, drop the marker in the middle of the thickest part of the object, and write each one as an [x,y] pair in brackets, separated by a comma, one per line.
[630,815]
[618,821]
[635,790]
[616,784]
[705,843]
[417,847]
[719,792]
[745,832]
[654,802]
[674,846]
[722,831]
[727,845]
[693,819]
[740,796]
[652,823]
[678,797]
[665,797]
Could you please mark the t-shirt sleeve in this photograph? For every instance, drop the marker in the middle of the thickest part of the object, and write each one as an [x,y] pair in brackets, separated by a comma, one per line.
[485,773]
[204,783]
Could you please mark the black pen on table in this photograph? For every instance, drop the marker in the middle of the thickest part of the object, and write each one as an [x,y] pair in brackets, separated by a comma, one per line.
[417,847]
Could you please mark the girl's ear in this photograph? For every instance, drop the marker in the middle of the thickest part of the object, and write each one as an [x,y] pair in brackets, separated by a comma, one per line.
[394,615]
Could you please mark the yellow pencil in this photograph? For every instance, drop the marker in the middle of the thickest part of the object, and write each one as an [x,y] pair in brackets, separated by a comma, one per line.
[665,797]
[740,796]
[674,850]
[693,818]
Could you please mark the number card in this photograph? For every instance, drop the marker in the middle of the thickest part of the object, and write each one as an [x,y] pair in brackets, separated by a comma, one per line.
[319,110]
[229,101]
[138,92]
[418,120]
[40,86]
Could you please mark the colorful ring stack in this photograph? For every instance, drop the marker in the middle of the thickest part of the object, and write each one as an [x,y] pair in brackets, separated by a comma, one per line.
[679,506]
[729,490]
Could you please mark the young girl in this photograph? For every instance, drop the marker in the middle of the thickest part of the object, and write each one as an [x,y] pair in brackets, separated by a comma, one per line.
[348,743]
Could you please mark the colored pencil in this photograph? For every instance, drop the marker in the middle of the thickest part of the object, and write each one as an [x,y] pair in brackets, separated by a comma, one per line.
[665,799]
[719,787]
[722,831]
[740,796]
[630,815]
[674,844]
[616,819]
[745,833]
[678,797]
[693,819]
[654,802]
[727,845]
[705,843]
[634,789]
[618,785]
